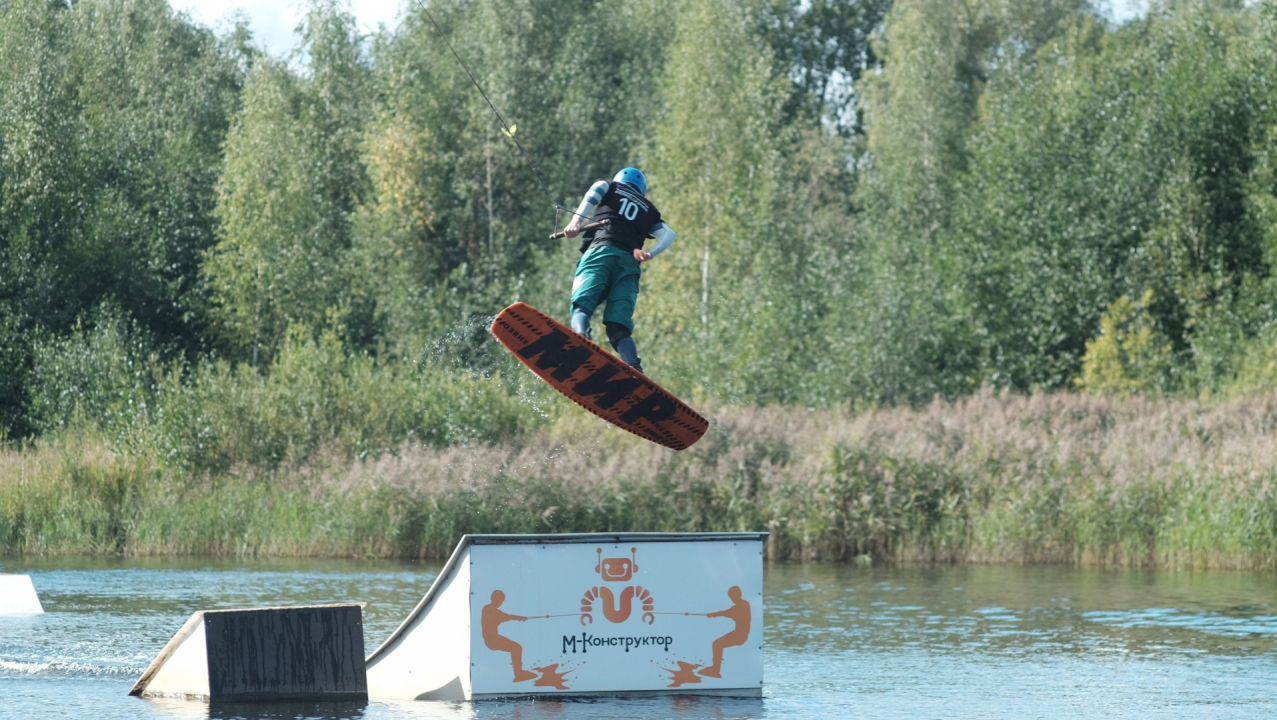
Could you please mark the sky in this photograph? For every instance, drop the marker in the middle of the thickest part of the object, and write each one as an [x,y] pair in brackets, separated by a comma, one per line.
[273,21]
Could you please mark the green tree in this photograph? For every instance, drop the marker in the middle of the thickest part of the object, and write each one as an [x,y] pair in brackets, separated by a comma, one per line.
[714,166]
[908,339]
[293,177]
[112,115]
[1235,343]
[824,47]
[38,164]
[1114,164]
[1129,355]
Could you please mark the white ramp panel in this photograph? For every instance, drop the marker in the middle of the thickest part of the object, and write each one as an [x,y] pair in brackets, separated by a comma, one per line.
[181,668]
[301,653]
[626,617]
[428,657]
[18,596]
[583,614]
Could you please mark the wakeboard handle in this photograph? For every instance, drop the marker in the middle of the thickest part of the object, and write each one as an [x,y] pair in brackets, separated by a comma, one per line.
[587,226]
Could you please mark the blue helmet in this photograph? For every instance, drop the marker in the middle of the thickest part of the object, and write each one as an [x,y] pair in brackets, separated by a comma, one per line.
[634,177]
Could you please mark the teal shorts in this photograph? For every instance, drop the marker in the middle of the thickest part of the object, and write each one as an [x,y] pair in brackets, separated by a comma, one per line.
[611,274]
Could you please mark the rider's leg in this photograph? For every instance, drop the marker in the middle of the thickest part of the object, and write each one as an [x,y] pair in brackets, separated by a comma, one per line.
[580,321]
[619,336]
[589,287]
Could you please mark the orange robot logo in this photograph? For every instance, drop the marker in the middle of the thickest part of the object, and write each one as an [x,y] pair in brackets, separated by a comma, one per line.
[613,570]
[617,569]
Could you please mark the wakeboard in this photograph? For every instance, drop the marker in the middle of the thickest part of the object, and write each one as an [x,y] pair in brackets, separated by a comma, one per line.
[596,379]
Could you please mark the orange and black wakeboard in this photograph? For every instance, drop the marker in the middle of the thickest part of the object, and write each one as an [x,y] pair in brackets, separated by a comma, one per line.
[595,379]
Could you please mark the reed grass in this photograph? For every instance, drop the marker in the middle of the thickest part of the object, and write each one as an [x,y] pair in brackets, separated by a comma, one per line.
[1047,478]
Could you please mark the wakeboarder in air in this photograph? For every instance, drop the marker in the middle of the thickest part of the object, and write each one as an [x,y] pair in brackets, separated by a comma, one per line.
[609,267]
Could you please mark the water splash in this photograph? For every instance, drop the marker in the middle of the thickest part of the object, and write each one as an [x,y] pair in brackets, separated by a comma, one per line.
[60,668]
[465,347]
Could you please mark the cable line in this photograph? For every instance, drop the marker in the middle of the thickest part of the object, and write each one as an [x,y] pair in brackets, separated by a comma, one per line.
[508,131]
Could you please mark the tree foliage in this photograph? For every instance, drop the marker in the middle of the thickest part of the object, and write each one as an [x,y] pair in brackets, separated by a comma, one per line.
[876,202]
[294,176]
[112,115]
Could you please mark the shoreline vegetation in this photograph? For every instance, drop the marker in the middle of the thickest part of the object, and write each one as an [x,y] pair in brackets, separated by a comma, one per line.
[992,478]
[244,299]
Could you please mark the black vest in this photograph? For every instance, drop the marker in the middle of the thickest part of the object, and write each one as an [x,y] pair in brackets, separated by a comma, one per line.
[630,218]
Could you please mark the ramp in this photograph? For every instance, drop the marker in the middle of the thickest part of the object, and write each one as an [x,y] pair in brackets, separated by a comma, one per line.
[18,596]
[296,653]
[583,614]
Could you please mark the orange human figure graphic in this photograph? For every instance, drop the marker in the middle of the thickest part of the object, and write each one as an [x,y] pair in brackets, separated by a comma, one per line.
[738,613]
[490,619]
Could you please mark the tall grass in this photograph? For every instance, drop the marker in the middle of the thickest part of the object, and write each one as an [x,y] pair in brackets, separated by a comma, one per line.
[1053,478]
[205,417]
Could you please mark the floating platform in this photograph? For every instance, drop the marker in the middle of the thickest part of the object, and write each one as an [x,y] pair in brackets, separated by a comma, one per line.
[268,654]
[626,614]
[18,596]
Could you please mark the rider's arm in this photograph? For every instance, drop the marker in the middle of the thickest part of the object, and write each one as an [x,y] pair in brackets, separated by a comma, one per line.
[665,237]
[592,198]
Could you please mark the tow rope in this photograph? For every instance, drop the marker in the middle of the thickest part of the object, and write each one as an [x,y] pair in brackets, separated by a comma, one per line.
[506,128]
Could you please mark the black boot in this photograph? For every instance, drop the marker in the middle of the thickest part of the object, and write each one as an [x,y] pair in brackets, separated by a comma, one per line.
[581,323]
[629,353]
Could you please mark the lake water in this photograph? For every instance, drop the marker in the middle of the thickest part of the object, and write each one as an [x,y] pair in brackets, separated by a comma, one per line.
[840,641]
